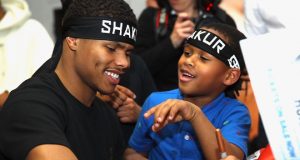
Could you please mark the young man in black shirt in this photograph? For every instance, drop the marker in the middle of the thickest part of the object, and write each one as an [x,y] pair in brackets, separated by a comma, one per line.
[57,115]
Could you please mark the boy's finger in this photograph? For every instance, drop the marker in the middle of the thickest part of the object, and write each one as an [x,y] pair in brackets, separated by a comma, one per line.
[158,126]
[164,112]
[149,112]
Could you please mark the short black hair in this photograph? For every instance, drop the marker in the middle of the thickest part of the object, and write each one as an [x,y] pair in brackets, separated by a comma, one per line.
[118,9]
[232,38]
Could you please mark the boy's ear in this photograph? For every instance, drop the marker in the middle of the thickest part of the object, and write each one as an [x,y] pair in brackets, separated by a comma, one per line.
[72,43]
[232,76]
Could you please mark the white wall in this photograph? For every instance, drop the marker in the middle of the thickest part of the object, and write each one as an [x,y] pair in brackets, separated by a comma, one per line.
[43,11]
[137,6]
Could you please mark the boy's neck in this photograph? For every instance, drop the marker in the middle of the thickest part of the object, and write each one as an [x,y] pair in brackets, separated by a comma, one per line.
[199,101]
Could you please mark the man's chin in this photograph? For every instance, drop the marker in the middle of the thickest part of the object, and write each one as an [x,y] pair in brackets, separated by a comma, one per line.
[107,91]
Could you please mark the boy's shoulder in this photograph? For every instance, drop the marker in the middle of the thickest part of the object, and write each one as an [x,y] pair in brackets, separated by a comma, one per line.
[233,105]
[158,97]
[170,94]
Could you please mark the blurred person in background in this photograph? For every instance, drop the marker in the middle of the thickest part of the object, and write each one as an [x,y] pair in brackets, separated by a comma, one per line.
[264,16]
[24,45]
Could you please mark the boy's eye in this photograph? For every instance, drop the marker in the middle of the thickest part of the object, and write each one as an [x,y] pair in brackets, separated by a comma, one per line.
[203,58]
[187,53]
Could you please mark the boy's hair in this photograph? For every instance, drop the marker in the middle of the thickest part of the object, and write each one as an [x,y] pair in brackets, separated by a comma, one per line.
[118,9]
[232,37]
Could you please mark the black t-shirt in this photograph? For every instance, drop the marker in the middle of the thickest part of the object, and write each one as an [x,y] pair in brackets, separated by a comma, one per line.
[42,111]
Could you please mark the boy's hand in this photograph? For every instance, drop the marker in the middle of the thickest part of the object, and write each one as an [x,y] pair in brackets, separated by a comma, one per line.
[230,157]
[172,111]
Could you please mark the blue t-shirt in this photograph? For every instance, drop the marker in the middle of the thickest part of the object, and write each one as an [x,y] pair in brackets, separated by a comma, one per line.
[178,140]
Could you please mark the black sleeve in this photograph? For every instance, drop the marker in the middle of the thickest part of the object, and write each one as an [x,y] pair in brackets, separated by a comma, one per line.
[155,54]
[27,121]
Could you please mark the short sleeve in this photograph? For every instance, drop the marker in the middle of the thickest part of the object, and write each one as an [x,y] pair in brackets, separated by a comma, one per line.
[236,127]
[27,121]
[140,140]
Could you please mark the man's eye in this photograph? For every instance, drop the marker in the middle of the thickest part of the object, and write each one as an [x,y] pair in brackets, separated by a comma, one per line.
[128,53]
[111,48]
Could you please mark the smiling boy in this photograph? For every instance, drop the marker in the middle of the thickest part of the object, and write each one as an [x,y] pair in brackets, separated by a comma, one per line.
[181,123]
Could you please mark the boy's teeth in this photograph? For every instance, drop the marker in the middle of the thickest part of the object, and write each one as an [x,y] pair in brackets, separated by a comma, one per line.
[114,75]
[187,74]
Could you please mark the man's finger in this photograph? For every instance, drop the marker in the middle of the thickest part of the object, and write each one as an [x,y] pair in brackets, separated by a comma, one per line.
[126,120]
[126,91]
[126,107]
[123,113]
[120,95]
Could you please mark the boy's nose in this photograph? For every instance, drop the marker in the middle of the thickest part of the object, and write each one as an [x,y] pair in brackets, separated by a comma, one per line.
[189,61]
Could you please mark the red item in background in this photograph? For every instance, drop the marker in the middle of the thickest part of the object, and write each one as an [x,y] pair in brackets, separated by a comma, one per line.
[266,154]
[262,154]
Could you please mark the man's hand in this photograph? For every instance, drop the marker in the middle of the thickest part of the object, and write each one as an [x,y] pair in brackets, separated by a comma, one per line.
[119,96]
[129,111]
[123,101]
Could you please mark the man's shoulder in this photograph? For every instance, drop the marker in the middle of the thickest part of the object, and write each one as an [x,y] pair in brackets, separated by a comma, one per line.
[40,87]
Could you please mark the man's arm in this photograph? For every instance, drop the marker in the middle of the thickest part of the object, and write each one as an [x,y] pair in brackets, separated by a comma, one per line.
[50,152]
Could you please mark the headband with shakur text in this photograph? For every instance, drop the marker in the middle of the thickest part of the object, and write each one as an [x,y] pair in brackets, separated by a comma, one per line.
[100,28]
[215,46]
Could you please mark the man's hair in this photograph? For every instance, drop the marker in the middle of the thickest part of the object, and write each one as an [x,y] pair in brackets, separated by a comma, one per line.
[232,37]
[118,9]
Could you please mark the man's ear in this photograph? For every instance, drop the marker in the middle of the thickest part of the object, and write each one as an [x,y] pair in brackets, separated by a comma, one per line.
[232,76]
[72,43]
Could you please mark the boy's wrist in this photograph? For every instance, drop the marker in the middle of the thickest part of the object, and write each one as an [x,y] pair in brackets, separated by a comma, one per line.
[196,115]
